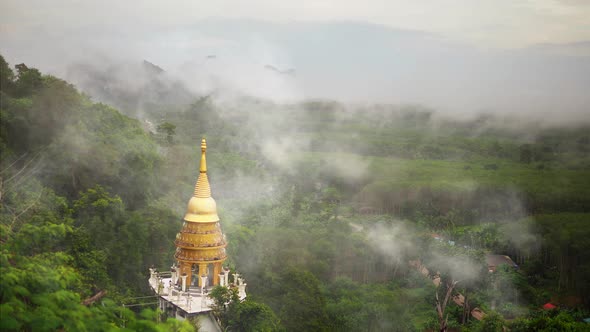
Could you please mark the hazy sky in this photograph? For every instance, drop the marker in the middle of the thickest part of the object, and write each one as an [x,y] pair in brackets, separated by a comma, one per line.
[462,55]
[487,23]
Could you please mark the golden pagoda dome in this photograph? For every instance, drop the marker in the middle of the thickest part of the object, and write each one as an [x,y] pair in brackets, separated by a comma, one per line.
[202,207]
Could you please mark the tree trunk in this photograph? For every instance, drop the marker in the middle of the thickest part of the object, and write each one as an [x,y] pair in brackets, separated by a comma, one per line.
[441,307]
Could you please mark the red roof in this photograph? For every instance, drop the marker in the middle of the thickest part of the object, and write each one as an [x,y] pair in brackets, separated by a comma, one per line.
[549,306]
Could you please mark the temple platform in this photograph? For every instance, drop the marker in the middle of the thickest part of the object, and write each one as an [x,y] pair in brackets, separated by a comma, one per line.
[192,301]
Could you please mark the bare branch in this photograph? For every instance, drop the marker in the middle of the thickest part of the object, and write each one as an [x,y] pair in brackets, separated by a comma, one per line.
[94,298]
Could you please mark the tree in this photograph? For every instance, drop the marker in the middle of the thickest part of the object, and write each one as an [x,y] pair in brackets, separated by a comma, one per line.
[303,306]
[242,316]
[492,322]
[223,298]
[253,316]
[6,76]
[28,80]
[169,129]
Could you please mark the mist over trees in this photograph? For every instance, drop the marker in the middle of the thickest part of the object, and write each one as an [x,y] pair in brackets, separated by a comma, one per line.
[327,208]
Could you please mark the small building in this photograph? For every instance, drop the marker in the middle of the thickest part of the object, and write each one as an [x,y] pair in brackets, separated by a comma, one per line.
[494,261]
[478,314]
[200,252]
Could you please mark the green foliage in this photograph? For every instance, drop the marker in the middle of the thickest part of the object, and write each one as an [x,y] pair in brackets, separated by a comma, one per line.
[123,242]
[545,321]
[355,307]
[243,316]
[492,322]
[82,144]
[27,81]
[253,316]
[223,298]
[6,76]
[38,294]
[515,290]
[569,244]
[302,306]
[59,245]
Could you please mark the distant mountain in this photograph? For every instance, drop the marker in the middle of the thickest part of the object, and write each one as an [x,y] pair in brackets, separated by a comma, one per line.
[131,87]
[572,49]
[152,68]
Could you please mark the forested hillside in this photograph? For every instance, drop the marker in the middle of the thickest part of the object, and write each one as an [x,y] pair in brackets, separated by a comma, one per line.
[331,211]
[77,178]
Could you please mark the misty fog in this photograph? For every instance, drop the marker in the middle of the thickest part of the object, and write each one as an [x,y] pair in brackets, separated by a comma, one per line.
[351,62]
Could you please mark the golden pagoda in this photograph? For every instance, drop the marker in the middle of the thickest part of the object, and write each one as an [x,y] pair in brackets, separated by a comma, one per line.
[200,244]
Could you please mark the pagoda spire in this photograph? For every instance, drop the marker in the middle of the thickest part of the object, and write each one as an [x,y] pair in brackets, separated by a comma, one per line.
[202,188]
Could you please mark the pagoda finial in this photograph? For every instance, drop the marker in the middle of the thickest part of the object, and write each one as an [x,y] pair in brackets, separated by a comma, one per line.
[203,168]
[202,188]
